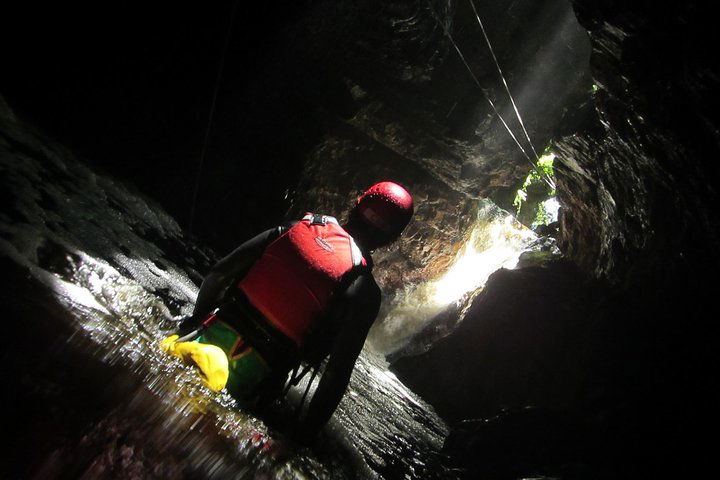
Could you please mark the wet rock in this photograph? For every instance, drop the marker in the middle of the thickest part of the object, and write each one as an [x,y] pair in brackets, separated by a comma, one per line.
[525,340]
[317,101]
[549,230]
[6,112]
[543,251]
[539,258]
[65,418]
[521,443]
[637,211]
[439,326]
[93,276]
[634,183]
[619,363]
[435,132]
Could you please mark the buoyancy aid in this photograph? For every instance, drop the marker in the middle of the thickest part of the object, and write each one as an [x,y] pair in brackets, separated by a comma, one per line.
[294,279]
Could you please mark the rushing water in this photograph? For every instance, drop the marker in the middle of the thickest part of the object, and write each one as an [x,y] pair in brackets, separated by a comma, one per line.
[122,269]
[495,241]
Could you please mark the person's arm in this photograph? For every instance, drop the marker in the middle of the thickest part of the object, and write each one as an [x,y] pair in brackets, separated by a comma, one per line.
[358,310]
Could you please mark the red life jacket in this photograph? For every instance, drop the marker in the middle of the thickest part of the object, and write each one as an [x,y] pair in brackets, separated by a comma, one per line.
[292,282]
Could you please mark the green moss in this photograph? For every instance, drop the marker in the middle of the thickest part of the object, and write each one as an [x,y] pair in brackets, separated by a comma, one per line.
[542,216]
[534,191]
[545,165]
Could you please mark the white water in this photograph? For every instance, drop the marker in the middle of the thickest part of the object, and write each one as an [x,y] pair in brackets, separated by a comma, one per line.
[495,241]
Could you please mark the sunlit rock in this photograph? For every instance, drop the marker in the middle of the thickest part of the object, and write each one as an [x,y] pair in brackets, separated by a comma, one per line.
[435,304]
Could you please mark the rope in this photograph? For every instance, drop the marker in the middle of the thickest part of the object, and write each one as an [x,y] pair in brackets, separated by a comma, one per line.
[502,77]
[307,389]
[211,115]
[295,378]
[543,175]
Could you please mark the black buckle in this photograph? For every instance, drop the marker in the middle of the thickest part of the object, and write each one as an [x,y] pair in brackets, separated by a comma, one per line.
[318,219]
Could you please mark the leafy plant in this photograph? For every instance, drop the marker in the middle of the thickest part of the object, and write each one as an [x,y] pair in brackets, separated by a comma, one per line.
[536,180]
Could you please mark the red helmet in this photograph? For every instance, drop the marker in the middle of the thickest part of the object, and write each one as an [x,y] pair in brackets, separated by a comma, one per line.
[387,208]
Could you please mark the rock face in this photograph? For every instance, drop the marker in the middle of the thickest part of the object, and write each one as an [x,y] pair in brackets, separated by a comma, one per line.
[639,205]
[315,103]
[636,185]
[418,117]
[77,409]
[627,352]
[519,345]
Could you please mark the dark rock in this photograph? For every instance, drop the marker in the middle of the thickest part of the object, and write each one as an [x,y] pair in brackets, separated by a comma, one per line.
[639,209]
[317,101]
[619,363]
[522,442]
[629,353]
[634,187]
[538,258]
[525,340]
[428,126]
[74,415]
[549,230]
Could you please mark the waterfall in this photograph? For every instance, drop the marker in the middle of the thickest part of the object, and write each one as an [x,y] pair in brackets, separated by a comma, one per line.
[495,241]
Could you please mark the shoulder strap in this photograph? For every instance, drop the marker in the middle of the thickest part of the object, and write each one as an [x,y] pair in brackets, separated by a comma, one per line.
[356,254]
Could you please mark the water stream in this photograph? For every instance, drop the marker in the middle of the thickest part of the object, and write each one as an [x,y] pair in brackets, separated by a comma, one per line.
[495,241]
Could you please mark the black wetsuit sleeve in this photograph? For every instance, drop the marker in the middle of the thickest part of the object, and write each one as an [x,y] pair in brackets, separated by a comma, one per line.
[356,313]
[229,269]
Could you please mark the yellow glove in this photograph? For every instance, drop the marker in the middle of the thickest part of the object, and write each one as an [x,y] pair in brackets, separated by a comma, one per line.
[210,361]
[168,345]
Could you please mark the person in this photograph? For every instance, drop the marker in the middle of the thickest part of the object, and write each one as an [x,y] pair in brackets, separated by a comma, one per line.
[289,298]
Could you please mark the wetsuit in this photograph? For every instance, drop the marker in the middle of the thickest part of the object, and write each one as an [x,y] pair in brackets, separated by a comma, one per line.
[341,335]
